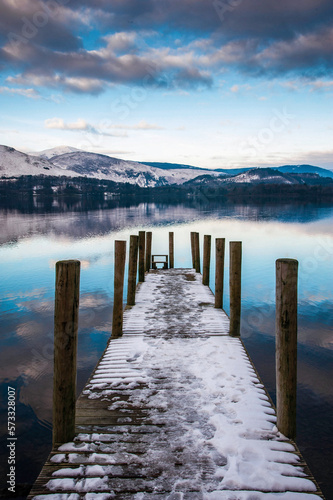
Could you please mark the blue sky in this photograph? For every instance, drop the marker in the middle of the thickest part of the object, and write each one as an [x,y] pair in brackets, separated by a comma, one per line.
[222,83]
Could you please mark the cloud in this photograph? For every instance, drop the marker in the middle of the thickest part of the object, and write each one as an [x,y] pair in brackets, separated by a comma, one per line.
[86,48]
[255,18]
[235,89]
[30,93]
[142,125]
[311,52]
[322,85]
[58,123]
[79,126]
[47,23]
[78,85]
[72,71]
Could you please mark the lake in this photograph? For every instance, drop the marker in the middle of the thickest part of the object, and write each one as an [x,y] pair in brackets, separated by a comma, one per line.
[32,241]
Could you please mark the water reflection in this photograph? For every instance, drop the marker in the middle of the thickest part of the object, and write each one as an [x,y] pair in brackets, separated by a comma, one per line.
[81,223]
[31,243]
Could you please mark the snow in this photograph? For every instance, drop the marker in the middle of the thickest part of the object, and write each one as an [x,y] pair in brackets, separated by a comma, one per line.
[72,162]
[207,425]
[14,163]
[58,150]
[117,170]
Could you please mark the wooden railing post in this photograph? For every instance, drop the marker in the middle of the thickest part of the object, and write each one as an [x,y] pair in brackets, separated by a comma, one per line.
[142,246]
[132,269]
[235,274]
[119,271]
[66,315]
[171,250]
[206,259]
[219,271]
[286,345]
[196,253]
[148,250]
[193,249]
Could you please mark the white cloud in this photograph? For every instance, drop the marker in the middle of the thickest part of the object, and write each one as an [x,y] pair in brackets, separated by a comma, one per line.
[142,125]
[58,123]
[79,126]
[322,85]
[30,93]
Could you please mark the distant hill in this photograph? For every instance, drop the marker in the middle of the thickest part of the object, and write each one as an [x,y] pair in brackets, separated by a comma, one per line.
[300,169]
[257,176]
[306,169]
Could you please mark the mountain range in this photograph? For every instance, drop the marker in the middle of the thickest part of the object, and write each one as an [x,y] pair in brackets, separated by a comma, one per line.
[72,163]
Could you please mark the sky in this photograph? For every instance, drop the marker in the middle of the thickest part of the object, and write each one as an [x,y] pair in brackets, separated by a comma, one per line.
[215,84]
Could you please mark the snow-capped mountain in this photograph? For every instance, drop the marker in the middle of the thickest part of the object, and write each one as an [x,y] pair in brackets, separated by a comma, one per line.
[105,167]
[59,150]
[71,162]
[14,164]
[76,163]
[263,175]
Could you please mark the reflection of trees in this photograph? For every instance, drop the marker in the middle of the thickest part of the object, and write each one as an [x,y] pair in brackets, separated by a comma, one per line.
[78,219]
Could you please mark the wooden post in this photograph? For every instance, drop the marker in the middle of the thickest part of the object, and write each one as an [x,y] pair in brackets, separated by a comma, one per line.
[142,245]
[235,268]
[119,271]
[66,314]
[206,259]
[193,249]
[132,269]
[219,271]
[196,253]
[148,251]
[171,250]
[286,345]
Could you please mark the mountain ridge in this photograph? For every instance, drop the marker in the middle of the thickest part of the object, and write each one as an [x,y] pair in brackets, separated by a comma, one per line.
[72,162]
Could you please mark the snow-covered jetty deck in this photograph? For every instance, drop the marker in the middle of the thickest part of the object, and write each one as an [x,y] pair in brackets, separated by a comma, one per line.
[175,410]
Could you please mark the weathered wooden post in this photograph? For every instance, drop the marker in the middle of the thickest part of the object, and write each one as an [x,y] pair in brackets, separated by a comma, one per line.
[193,249]
[119,271]
[142,245]
[66,315]
[219,271]
[132,269]
[148,250]
[235,274]
[206,259]
[196,253]
[286,345]
[171,250]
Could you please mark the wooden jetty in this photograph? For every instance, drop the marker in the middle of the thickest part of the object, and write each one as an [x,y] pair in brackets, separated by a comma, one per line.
[175,410]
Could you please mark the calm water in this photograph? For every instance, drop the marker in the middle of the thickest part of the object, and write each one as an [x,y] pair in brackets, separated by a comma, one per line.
[31,243]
